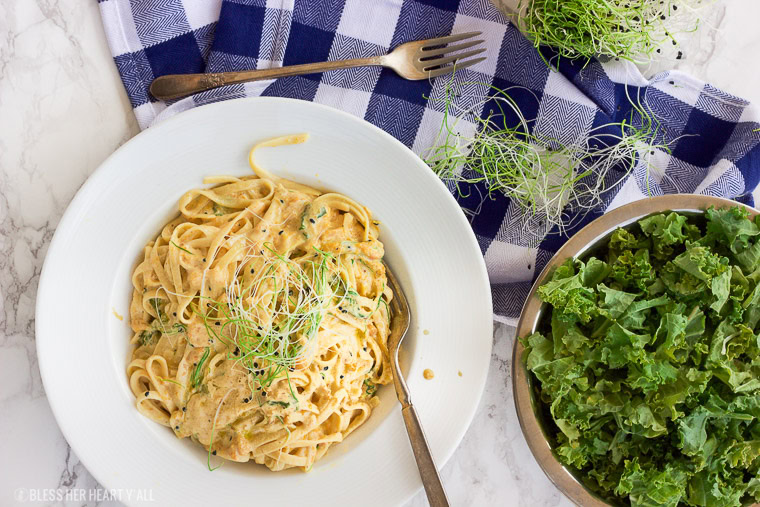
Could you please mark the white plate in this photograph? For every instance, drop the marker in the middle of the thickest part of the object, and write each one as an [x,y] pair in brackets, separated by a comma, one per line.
[83,348]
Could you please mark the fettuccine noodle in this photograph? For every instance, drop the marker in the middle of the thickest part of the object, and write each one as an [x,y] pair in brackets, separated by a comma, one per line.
[261,319]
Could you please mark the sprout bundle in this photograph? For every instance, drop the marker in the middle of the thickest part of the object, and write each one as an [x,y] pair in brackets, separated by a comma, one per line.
[555,183]
[634,30]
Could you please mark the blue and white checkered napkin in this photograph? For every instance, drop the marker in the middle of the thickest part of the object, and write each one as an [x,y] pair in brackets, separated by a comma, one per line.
[715,145]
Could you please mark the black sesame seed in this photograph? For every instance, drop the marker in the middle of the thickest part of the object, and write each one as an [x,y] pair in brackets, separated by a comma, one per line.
[341,376]
[312,221]
[282,202]
[175,314]
[217,324]
[255,365]
[147,393]
[252,270]
[176,427]
[680,55]
[280,233]
[184,409]
[325,368]
[263,393]
[204,259]
[213,452]
[245,400]
[263,230]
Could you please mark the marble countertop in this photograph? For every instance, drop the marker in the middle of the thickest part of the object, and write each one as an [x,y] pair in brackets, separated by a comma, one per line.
[63,111]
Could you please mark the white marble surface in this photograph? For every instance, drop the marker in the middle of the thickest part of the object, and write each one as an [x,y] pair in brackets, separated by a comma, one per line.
[63,110]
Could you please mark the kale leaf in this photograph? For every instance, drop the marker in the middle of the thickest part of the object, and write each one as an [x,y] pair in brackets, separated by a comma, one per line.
[648,362]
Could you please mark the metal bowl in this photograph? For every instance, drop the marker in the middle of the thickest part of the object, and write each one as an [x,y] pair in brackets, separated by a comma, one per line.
[581,244]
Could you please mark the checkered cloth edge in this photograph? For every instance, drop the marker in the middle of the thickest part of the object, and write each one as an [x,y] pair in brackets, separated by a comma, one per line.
[713,136]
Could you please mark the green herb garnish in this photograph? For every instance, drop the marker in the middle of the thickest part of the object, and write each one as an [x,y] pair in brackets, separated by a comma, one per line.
[158,304]
[370,388]
[647,364]
[220,210]
[184,250]
[175,329]
[305,213]
[366,266]
[213,429]
[170,380]
[197,376]
[148,337]
[282,421]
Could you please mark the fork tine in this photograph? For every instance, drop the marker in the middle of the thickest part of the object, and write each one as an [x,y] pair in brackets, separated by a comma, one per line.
[429,64]
[450,68]
[426,53]
[440,41]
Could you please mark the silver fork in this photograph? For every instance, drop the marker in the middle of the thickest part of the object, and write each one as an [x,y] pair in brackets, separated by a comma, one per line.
[416,60]
[401,315]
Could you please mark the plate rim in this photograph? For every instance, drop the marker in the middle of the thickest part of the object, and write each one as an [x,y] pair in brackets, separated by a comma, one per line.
[104,170]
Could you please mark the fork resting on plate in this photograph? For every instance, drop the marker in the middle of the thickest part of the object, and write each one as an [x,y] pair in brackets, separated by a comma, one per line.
[416,60]
[402,316]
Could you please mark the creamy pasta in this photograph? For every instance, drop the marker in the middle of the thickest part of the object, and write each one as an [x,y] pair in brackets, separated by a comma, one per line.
[260,318]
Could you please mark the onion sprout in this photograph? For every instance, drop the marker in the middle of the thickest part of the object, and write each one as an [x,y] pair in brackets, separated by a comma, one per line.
[555,182]
[634,30]
[273,315]
[183,249]
[213,427]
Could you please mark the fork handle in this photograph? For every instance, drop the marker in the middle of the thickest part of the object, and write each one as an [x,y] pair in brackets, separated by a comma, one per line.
[428,472]
[174,86]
